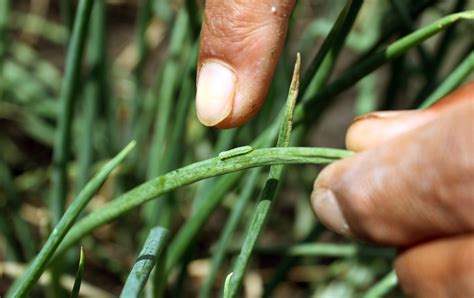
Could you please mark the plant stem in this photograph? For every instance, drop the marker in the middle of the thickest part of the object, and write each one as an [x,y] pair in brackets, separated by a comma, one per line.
[269,190]
[409,26]
[327,250]
[316,75]
[161,211]
[70,85]
[195,172]
[92,93]
[383,286]
[236,214]
[455,79]
[151,251]
[77,282]
[23,285]
[442,46]
[322,99]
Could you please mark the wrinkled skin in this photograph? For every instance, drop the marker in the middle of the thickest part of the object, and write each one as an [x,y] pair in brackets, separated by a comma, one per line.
[411,185]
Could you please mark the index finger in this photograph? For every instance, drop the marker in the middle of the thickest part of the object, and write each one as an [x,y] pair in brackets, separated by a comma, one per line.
[241,42]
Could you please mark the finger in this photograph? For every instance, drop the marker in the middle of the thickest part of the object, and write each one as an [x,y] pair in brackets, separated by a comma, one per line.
[413,187]
[443,268]
[241,42]
[375,128]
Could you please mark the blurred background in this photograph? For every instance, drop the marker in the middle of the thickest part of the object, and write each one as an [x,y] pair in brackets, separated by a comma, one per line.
[136,81]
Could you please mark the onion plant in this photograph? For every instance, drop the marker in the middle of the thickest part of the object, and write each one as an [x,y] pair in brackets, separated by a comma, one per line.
[196,205]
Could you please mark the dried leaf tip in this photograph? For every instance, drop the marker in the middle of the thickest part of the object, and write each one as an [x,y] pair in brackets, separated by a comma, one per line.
[295,81]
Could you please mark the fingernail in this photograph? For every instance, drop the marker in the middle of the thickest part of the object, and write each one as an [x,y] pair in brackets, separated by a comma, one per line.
[215,93]
[328,211]
[382,115]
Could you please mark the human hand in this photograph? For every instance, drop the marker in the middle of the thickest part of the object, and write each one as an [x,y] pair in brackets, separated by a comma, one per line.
[412,186]
[241,42]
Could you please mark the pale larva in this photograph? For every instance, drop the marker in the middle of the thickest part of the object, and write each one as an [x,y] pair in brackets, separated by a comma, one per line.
[235,152]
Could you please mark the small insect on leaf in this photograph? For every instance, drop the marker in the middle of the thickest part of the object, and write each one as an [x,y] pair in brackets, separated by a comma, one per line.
[235,152]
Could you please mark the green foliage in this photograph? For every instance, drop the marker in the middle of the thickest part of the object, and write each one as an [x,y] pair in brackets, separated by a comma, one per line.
[77,282]
[269,189]
[146,260]
[24,285]
[185,177]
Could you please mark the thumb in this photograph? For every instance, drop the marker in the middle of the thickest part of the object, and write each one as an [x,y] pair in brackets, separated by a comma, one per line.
[373,129]
[411,188]
[241,42]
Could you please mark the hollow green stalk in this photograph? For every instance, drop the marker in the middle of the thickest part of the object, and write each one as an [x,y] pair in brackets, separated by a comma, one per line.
[444,43]
[269,190]
[409,26]
[195,172]
[161,211]
[322,99]
[77,282]
[382,287]
[455,79]
[22,286]
[316,75]
[146,260]
[174,154]
[92,93]
[328,250]
[70,85]
[231,224]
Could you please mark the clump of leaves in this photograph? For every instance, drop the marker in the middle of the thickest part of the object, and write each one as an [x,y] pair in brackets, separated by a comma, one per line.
[100,105]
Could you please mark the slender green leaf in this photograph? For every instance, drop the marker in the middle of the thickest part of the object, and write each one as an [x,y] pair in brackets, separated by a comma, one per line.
[382,287]
[145,262]
[77,282]
[328,250]
[195,172]
[354,73]
[92,93]
[236,214]
[452,81]
[71,81]
[269,190]
[444,43]
[23,285]
[321,66]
